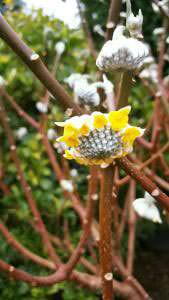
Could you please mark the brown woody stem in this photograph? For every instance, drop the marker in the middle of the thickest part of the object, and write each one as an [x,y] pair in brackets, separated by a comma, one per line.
[105,215]
[146,182]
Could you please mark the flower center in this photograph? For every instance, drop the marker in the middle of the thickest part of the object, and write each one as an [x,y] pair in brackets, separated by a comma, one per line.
[100,143]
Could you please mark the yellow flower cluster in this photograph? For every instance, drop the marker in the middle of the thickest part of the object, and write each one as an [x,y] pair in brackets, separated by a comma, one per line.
[99,133]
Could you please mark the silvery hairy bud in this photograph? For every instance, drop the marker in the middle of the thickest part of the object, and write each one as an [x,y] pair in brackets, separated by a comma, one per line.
[122,53]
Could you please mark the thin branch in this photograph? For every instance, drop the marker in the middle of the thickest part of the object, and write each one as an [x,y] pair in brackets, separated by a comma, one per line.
[105,221]
[113,17]
[145,182]
[26,188]
[24,251]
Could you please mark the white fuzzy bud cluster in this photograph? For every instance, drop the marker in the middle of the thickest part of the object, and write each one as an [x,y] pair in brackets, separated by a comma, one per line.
[124,52]
[87,93]
[146,208]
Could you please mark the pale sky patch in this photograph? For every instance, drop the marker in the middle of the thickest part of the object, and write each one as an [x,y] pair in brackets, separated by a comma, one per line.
[66,11]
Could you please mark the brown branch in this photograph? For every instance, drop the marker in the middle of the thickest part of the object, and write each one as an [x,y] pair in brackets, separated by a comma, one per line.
[145,182]
[105,243]
[18,109]
[131,227]
[26,188]
[113,17]
[144,164]
[24,251]
[36,65]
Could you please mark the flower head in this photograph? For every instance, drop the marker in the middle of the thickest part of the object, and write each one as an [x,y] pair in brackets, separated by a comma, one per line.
[146,208]
[99,138]
[122,53]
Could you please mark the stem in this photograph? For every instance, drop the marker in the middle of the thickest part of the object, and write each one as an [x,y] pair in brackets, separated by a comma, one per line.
[145,181]
[113,17]
[124,89]
[131,227]
[105,215]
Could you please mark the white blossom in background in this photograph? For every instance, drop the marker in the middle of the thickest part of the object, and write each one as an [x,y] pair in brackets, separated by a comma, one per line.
[73,173]
[150,73]
[60,48]
[94,16]
[67,185]
[155,8]
[60,147]
[98,29]
[108,86]
[51,134]
[134,23]
[167,40]
[42,107]
[122,53]
[164,4]
[149,60]
[2,81]
[123,14]
[146,208]
[21,132]
[73,78]
[158,31]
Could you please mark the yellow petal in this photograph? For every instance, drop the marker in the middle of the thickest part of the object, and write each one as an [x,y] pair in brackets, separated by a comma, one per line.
[70,141]
[60,139]
[84,130]
[81,161]
[119,119]
[61,124]
[68,155]
[70,130]
[99,120]
[130,135]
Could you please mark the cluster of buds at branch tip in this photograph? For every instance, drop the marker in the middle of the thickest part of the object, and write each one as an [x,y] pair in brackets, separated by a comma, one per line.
[99,138]
[124,52]
[87,93]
